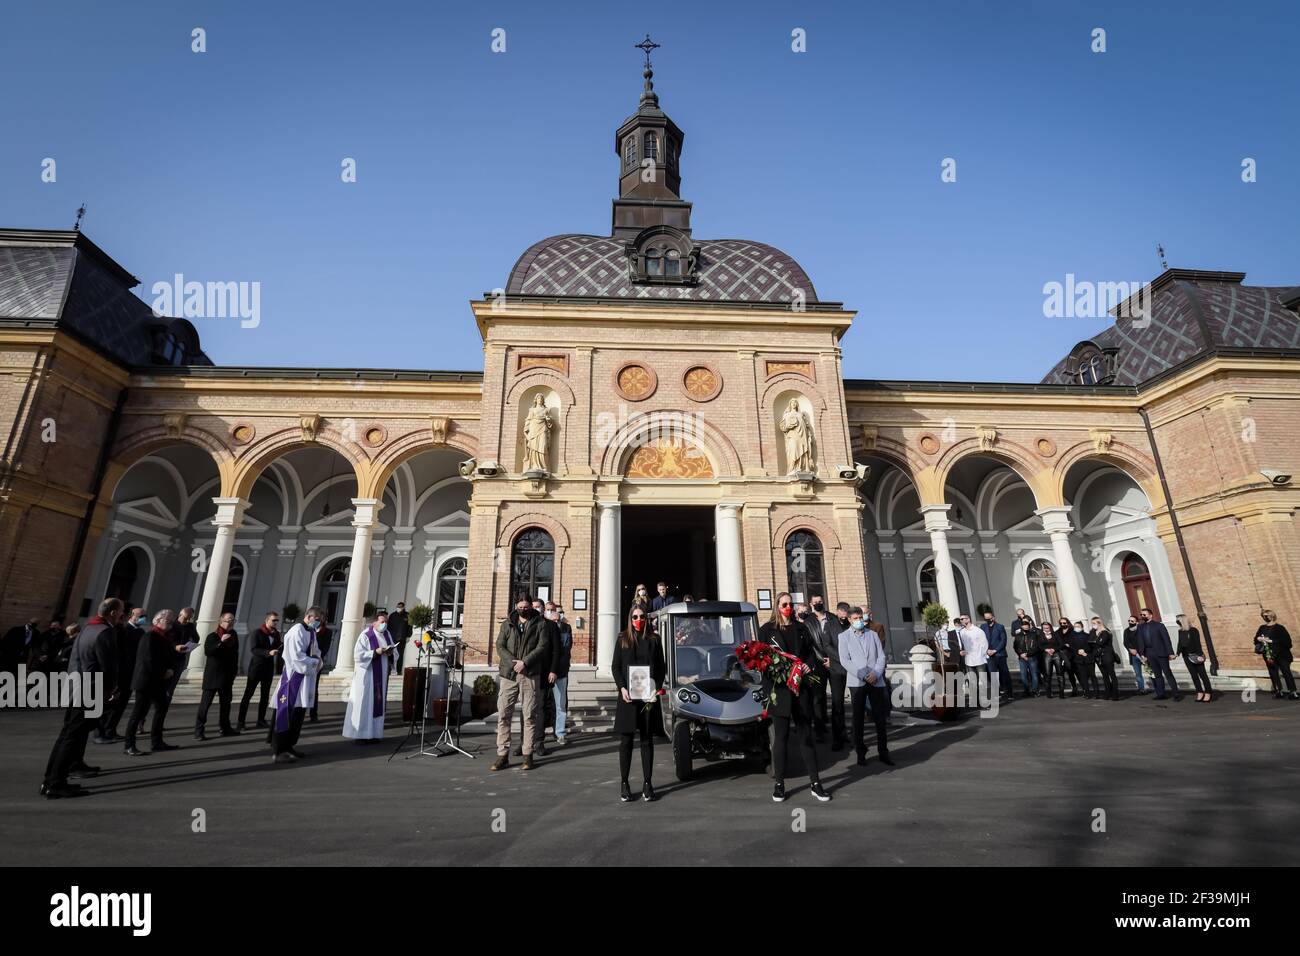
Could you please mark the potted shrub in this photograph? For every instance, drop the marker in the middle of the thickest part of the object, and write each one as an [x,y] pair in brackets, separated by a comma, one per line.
[984,607]
[483,699]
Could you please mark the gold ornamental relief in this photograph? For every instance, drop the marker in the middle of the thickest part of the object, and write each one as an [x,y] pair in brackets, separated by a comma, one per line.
[669,458]
[635,381]
[701,383]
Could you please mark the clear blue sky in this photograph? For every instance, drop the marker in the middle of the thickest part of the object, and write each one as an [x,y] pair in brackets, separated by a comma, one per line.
[225,165]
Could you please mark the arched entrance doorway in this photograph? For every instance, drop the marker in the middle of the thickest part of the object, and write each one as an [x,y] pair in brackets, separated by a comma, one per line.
[1137,586]
[332,590]
[129,577]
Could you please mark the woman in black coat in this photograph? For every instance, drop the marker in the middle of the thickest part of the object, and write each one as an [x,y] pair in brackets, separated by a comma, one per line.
[636,646]
[1064,633]
[782,631]
[1189,647]
[1273,643]
[1102,645]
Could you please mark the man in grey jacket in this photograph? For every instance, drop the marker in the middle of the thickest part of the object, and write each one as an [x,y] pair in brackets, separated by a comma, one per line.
[523,649]
[93,652]
[863,660]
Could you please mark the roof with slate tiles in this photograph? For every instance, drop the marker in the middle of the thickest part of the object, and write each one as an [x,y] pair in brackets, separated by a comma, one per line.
[53,277]
[730,270]
[1192,312]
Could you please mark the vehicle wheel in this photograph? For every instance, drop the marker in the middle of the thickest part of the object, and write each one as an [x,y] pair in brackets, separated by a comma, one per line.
[682,750]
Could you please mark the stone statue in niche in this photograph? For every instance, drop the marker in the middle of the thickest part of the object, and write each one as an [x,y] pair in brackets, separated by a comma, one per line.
[537,436]
[798,438]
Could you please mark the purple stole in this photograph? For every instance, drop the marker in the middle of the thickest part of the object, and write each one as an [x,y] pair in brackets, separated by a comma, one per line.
[376,675]
[286,699]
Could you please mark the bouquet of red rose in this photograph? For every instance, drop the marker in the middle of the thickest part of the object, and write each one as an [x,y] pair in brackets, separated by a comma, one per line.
[775,665]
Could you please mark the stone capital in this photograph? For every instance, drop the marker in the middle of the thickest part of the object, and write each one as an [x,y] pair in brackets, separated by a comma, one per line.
[365,511]
[936,517]
[1055,520]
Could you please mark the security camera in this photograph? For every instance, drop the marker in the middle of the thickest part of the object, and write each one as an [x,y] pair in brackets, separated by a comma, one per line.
[847,472]
[489,469]
[862,471]
[466,467]
[1276,477]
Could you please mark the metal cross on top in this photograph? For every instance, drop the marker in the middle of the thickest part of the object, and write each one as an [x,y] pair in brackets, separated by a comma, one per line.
[647,44]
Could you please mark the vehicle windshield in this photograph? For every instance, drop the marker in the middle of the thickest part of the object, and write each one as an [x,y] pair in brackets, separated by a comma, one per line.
[704,648]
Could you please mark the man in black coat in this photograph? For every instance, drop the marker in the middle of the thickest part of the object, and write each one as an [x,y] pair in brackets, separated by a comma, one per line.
[399,629]
[557,679]
[93,653]
[821,666]
[832,628]
[220,665]
[128,643]
[325,640]
[545,699]
[267,643]
[154,662]
[19,644]
[1157,649]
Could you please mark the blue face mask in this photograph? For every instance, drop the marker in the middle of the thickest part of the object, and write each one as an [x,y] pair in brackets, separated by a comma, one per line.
[859,624]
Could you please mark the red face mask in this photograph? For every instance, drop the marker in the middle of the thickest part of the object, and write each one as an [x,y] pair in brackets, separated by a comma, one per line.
[785,611]
[638,623]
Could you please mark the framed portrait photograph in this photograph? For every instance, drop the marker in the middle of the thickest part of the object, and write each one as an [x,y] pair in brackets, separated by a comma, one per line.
[639,686]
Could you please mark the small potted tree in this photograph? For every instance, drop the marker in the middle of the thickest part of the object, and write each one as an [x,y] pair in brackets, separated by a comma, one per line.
[483,699]
[935,617]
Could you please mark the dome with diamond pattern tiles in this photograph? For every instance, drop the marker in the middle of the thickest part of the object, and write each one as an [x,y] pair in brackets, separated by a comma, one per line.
[595,267]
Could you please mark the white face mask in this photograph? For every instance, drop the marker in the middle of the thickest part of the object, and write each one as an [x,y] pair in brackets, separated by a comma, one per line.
[381,626]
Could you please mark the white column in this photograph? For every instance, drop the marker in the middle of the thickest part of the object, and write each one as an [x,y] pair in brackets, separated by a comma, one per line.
[731,560]
[354,601]
[936,522]
[1056,522]
[230,513]
[608,576]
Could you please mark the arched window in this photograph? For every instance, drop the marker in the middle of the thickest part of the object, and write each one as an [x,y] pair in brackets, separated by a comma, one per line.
[1043,593]
[1137,586]
[654,263]
[532,566]
[629,151]
[451,594]
[234,587]
[1092,368]
[804,567]
[672,263]
[651,147]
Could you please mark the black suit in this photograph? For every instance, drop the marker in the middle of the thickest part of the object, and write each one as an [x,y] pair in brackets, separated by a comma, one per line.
[1081,656]
[817,692]
[93,652]
[128,642]
[261,670]
[220,665]
[155,658]
[832,628]
[788,709]
[399,629]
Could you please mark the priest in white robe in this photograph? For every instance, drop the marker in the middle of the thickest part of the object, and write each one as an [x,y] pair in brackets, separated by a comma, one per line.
[372,656]
[296,692]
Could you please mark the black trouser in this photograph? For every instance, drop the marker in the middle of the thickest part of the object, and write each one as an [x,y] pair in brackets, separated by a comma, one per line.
[144,699]
[1055,668]
[647,748]
[838,683]
[1108,677]
[287,740]
[1072,672]
[1279,671]
[818,690]
[226,693]
[999,663]
[112,715]
[781,727]
[1088,676]
[69,747]
[1200,679]
[252,683]
[878,697]
[401,653]
[1163,676]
